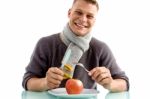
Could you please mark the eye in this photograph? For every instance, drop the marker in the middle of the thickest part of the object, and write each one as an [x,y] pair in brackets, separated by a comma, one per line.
[78,12]
[90,16]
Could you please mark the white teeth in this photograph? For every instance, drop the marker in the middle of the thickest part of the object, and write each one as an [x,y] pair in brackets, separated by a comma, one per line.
[82,26]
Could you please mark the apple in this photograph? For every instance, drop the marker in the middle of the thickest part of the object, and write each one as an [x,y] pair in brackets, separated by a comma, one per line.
[74,86]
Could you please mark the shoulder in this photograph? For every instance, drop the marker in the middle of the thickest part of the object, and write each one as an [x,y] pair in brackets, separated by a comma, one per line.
[97,44]
[48,40]
[100,48]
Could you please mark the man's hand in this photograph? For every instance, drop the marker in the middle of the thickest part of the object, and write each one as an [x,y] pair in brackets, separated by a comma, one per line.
[102,76]
[54,76]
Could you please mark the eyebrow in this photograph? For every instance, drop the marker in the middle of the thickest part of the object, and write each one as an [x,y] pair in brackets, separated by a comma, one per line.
[82,11]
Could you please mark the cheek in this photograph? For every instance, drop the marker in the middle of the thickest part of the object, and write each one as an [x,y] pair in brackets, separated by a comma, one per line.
[72,19]
[92,22]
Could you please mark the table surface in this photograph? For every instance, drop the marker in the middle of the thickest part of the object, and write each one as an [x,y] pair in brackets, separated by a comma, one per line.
[46,95]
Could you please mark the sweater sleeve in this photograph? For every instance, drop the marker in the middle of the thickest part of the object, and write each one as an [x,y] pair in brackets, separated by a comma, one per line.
[107,59]
[38,63]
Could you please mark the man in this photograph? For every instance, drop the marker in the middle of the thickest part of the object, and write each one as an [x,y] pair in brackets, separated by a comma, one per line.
[44,72]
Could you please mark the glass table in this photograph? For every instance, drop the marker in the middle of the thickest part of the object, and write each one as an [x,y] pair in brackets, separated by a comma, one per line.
[46,95]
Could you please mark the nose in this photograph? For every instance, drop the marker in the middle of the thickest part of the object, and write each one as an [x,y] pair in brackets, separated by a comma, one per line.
[83,18]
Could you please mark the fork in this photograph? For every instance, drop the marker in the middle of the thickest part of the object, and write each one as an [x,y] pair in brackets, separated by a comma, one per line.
[81,65]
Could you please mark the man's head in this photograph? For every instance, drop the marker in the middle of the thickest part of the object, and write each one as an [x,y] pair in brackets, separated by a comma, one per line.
[82,16]
[94,2]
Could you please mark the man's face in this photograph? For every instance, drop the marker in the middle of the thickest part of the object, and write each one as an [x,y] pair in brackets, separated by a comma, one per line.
[82,17]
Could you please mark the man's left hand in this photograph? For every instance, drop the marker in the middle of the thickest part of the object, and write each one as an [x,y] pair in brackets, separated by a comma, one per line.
[102,76]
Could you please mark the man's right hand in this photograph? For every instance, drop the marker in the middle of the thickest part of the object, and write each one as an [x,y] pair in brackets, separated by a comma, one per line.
[54,76]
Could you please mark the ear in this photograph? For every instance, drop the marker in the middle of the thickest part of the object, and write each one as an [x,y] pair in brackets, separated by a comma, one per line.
[69,12]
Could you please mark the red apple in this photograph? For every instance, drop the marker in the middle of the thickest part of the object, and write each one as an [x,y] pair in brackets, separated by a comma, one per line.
[74,86]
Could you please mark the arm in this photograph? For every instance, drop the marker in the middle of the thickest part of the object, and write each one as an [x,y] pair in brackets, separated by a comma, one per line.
[53,79]
[39,75]
[103,77]
[118,85]
[37,84]
[108,73]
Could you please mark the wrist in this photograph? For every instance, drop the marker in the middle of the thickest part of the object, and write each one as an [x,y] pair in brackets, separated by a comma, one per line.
[109,85]
[117,85]
[44,84]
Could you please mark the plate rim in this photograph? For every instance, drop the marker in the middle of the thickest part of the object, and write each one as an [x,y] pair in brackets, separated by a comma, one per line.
[73,95]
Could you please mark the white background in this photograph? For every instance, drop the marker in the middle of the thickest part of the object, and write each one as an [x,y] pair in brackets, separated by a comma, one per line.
[123,24]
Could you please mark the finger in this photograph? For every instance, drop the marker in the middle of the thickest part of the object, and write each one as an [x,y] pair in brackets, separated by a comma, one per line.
[91,72]
[52,75]
[54,81]
[55,76]
[95,75]
[56,71]
[102,76]
[52,86]
[97,71]
[105,81]
[100,69]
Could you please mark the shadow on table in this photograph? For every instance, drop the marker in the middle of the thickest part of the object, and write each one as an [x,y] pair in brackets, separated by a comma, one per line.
[120,95]
[46,95]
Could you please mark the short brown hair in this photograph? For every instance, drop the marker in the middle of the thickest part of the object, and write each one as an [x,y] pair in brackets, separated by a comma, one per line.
[94,2]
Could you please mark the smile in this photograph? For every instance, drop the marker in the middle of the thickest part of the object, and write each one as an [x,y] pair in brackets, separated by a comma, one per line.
[80,25]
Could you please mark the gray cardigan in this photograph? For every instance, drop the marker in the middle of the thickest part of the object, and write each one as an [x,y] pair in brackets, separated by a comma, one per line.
[50,50]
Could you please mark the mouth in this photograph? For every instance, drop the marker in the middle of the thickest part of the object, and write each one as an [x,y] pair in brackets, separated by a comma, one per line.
[80,26]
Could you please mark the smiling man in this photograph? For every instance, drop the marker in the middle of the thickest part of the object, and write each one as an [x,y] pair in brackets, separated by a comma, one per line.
[82,17]
[44,71]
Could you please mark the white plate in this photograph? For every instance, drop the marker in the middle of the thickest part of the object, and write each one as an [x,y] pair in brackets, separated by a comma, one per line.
[61,92]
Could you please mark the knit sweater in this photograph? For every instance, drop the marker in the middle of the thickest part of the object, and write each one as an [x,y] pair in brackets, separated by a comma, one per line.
[49,52]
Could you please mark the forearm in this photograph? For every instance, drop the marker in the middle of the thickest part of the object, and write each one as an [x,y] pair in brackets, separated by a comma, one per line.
[37,84]
[118,85]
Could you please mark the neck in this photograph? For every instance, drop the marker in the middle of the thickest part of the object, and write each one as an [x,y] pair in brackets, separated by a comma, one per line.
[80,41]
